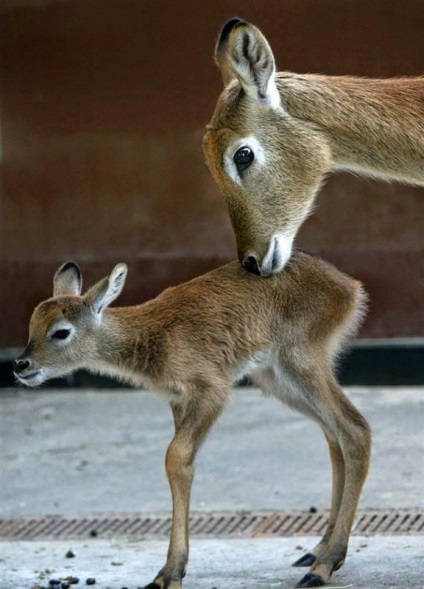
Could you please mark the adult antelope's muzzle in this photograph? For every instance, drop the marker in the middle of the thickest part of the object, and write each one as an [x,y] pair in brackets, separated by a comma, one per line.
[276,257]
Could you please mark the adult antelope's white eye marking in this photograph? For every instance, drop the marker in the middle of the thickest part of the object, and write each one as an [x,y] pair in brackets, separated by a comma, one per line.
[241,155]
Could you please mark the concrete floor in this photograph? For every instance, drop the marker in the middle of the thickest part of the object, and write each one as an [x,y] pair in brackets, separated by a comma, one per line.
[372,563]
[85,451]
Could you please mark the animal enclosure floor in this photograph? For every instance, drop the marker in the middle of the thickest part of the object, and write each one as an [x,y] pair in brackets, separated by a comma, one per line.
[372,563]
[87,452]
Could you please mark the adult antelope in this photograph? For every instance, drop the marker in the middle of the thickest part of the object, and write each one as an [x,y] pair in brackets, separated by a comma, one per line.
[274,136]
[192,342]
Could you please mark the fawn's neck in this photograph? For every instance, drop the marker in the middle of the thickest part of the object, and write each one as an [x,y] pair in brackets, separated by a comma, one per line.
[124,346]
[373,127]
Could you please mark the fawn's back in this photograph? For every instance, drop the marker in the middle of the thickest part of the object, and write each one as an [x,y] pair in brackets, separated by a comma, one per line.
[228,318]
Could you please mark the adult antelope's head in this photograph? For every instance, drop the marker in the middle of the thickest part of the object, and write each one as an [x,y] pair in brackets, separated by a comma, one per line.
[268,164]
[63,329]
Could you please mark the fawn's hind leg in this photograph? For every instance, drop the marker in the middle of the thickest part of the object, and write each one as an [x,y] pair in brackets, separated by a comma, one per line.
[285,389]
[338,477]
[354,437]
[312,391]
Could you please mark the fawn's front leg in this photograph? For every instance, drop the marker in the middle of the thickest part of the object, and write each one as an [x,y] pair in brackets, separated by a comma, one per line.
[192,424]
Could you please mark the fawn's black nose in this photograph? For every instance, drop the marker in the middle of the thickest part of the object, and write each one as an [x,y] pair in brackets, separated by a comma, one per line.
[21,364]
[251,265]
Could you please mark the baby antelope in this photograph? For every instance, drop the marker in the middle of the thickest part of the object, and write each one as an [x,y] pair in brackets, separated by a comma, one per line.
[192,342]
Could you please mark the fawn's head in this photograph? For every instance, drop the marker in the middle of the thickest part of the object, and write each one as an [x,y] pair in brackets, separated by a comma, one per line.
[267,164]
[62,329]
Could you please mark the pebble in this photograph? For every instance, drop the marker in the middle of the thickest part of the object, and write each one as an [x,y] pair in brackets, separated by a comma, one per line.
[69,554]
[90,581]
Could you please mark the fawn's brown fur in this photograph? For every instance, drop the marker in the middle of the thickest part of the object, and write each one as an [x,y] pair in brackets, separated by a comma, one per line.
[192,342]
[274,136]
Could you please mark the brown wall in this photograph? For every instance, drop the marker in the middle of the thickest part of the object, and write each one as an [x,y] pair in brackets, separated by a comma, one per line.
[103,105]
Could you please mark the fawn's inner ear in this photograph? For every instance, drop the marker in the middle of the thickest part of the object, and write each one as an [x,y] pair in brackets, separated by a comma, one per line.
[107,290]
[67,280]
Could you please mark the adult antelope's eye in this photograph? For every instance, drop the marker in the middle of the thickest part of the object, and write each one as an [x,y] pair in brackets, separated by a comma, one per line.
[243,158]
[61,334]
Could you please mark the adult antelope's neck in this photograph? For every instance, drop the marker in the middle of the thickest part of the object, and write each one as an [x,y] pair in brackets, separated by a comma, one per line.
[373,126]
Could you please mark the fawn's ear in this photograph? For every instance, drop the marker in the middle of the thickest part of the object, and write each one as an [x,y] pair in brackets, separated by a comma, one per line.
[67,280]
[242,52]
[107,290]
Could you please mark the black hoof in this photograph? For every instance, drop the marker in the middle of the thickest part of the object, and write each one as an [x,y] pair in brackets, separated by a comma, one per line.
[152,585]
[305,561]
[311,581]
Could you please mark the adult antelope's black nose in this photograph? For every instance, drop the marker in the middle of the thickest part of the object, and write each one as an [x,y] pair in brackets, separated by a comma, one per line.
[251,265]
[21,364]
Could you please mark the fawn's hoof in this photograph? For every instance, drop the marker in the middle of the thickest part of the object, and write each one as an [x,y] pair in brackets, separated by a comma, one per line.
[311,581]
[163,583]
[305,561]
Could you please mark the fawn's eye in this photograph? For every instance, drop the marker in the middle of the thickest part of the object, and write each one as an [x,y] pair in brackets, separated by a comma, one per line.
[61,334]
[243,157]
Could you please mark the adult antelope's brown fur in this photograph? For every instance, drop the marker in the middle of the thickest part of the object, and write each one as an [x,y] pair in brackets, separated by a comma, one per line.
[274,136]
[192,342]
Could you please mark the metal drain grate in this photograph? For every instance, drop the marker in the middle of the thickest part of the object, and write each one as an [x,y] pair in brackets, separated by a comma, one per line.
[210,525]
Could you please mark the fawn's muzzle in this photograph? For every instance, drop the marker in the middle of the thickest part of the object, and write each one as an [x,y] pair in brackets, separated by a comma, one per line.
[25,369]
[21,365]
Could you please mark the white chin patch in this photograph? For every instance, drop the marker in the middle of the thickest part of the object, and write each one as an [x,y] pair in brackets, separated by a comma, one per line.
[278,254]
[32,380]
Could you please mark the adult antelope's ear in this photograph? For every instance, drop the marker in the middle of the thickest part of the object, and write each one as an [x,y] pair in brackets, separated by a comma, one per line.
[242,52]
[67,280]
[107,290]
